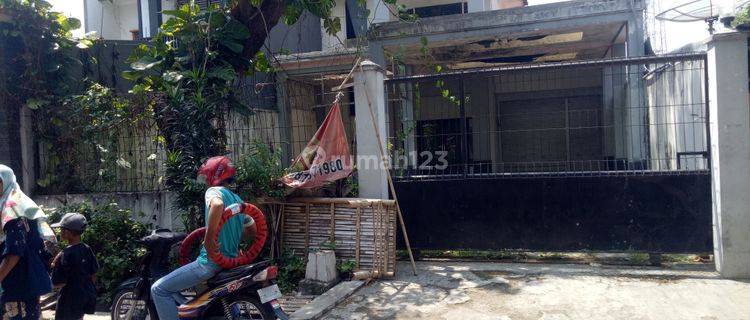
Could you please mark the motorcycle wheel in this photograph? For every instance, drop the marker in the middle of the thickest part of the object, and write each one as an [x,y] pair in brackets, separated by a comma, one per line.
[125,307]
[250,309]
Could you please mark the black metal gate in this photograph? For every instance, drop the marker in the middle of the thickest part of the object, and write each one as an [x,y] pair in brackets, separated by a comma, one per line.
[603,155]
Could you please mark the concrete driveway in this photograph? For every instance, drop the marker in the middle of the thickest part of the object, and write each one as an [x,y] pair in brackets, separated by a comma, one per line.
[455,290]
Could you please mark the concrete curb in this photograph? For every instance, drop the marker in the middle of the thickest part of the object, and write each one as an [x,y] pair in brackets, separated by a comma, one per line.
[317,308]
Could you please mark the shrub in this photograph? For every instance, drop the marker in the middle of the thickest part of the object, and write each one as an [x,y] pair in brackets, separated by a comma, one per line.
[259,173]
[112,235]
[291,271]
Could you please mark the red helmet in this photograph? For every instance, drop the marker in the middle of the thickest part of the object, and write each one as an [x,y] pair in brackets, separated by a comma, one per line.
[215,170]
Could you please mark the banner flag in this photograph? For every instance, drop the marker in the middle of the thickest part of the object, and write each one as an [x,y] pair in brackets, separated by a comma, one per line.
[326,157]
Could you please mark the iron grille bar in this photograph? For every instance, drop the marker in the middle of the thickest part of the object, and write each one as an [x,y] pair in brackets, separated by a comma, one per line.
[567,64]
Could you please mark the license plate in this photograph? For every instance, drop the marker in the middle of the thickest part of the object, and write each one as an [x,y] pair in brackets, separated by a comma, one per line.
[269,293]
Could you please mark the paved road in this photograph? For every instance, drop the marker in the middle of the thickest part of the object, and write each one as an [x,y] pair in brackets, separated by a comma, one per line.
[98,316]
[546,292]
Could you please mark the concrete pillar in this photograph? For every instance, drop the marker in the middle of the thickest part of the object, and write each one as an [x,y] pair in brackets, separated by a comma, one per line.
[637,135]
[478,5]
[369,92]
[28,151]
[729,115]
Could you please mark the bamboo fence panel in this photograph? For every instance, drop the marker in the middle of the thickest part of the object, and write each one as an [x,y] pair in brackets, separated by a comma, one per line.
[363,230]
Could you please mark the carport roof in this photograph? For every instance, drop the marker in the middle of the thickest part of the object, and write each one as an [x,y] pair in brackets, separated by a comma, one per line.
[572,30]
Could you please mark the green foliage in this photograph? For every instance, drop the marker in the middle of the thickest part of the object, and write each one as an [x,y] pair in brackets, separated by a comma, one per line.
[259,172]
[74,119]
[112,235]
[81,128]
[291,271]
[742,18]
[328,245]
[39,56]
[345,267]
[188,71]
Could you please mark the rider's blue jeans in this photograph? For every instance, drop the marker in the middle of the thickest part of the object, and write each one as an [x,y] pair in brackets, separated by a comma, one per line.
[165,290]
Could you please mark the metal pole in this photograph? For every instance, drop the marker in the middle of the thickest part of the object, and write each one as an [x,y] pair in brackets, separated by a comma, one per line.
[464,134]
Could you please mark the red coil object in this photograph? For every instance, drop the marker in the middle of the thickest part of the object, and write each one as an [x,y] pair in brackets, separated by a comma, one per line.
[216,256]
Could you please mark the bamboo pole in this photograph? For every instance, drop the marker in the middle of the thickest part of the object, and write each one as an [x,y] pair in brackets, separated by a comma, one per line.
[281,228]
[333,223]
[387,166]
[356,247]
[307,228]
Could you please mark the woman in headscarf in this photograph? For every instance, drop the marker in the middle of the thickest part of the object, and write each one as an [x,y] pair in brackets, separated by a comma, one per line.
[23,272]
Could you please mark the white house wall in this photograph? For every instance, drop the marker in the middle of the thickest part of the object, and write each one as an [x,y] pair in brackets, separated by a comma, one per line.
[112,21]
[332,42]
[675,108]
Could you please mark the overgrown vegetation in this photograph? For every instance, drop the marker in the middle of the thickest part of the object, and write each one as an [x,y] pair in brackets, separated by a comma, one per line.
[345,268]
[82,133]
[742,18]
[75,118]
[112,234]
[291,271]
[259,172]
[38,53]
[187,72]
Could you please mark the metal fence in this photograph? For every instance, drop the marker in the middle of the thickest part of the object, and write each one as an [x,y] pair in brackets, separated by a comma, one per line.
[621,116]
[135,162]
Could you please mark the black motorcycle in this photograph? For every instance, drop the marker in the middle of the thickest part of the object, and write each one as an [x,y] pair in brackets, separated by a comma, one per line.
[245,292]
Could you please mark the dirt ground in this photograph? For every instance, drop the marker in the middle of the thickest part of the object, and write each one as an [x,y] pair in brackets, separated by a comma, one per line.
[453,290]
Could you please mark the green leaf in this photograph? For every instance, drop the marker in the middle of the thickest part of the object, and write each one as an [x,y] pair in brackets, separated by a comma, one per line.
[34,104]
[224,73]
[445,93]
[123,163]
[144,63]
[261,63]
[292,14]
[44,182]
[85,44]
[172,76]
[236,30]
[438,68]
[73,23]
[131,75]
[423,41]
[332,25]
[232,45]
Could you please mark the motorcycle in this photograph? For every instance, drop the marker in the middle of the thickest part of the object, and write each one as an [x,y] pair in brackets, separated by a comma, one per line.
[245,292]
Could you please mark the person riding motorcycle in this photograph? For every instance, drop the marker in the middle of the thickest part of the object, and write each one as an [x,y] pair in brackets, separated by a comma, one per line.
[217,173]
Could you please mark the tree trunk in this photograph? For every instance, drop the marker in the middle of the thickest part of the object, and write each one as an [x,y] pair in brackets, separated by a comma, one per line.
[259,20]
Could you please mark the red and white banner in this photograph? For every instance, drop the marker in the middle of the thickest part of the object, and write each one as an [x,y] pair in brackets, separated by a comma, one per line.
[326,157]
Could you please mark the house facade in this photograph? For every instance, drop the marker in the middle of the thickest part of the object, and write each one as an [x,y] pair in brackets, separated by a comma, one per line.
[541,127]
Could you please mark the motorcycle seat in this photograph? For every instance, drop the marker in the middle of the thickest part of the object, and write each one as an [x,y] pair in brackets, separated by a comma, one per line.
[226,276]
